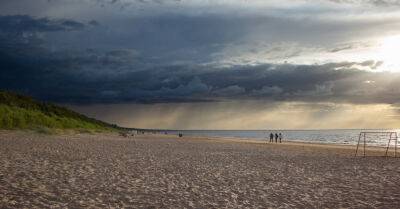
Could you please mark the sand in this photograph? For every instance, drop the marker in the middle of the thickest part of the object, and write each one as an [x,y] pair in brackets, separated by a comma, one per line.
[109,171]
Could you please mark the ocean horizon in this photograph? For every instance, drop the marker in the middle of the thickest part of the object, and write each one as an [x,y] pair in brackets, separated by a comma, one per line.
[329,136]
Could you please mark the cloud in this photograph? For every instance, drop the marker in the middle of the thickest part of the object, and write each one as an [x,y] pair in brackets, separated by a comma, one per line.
[349,46]
[22,35]
[94,23]
[267,91]
[124,74]
[198,31]
[183,56]
[87,78]
[234,90]
[320,90]
[25,23]
[371,64]
[379,3]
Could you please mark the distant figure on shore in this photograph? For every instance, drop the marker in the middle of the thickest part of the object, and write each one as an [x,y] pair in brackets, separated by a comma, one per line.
[280,137]
[276,137]
[271,137]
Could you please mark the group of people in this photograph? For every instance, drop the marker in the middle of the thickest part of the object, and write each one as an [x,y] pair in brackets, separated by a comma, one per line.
[276,136]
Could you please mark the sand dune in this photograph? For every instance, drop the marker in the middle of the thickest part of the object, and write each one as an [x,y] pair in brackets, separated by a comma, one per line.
[103,171]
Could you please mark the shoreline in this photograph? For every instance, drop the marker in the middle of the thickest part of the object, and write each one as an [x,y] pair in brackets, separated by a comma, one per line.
[319,138]
[342,148]
[349,148]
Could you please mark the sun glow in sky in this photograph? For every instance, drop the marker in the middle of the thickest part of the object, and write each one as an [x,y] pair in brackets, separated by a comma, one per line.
[389,53]
[384,50]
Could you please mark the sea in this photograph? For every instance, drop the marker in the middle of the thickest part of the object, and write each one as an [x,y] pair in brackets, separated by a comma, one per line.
[375,137]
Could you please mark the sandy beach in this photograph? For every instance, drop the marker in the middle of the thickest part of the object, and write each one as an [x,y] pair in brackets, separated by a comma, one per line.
[150,171]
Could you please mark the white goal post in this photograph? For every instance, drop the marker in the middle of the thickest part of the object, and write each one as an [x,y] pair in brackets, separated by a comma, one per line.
[389,134]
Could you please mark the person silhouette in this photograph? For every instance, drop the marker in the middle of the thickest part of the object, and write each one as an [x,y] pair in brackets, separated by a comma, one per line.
[276,137]
[271,137]
[280,137]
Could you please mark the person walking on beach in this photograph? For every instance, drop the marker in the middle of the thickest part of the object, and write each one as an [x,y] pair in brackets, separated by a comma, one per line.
[280,137]
[276,137]
[271,137]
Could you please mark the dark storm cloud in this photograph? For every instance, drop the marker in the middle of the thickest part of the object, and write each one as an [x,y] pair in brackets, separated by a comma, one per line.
[123,4]
[185,34]
[24,35]
[166,58]
[61,78]
[124,75]
[134,1]
[94,23]
[25,23]
[197,39]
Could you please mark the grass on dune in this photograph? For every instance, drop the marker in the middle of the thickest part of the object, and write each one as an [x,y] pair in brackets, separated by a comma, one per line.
[19,118]
[21,112]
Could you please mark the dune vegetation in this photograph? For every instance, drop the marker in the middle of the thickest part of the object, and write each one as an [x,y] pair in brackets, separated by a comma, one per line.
[22,112]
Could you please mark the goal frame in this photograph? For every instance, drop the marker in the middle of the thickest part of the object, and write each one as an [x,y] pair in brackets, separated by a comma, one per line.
[392,136]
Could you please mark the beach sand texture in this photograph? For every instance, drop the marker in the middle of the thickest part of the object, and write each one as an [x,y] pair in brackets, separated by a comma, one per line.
[108,171]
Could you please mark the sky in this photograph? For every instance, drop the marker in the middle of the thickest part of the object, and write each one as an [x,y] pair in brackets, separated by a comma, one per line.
[208,64]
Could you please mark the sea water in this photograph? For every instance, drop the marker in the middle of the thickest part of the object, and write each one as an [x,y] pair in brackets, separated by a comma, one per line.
[337,136]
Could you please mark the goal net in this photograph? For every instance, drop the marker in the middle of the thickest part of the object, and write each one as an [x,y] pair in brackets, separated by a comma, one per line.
[386,139]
